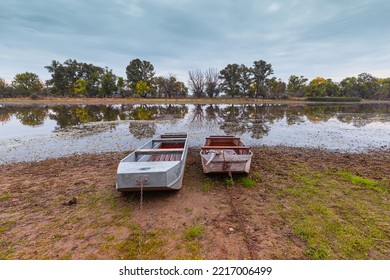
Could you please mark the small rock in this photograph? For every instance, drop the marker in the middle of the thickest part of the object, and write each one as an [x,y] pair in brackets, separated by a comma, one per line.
[70,202]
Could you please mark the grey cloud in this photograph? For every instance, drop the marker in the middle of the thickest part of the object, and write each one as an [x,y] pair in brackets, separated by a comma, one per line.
[297,37]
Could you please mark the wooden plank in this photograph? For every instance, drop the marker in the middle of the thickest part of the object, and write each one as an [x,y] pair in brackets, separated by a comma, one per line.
[158,151]
[224,137]
[226,147]
[170,140]
[177,135]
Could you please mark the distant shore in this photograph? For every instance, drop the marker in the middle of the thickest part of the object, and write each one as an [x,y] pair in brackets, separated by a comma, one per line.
[92,101]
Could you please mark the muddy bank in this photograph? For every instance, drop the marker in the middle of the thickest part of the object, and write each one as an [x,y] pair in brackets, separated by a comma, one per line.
[68,208]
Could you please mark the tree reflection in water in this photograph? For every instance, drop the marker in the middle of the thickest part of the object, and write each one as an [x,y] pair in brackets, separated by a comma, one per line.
[255,119]
[31,116]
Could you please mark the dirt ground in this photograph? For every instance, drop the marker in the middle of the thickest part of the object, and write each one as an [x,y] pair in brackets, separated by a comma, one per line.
[68,208]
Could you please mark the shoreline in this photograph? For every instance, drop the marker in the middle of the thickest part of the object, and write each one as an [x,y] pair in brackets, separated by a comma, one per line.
[297,203]
[109,101]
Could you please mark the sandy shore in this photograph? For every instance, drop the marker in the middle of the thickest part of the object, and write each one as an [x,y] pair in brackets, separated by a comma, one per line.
[297,204]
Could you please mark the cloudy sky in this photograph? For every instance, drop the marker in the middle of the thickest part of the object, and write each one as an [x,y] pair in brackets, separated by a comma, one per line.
[328,38]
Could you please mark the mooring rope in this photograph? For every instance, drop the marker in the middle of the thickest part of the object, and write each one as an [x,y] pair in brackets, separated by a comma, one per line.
[140,182]
[236,212]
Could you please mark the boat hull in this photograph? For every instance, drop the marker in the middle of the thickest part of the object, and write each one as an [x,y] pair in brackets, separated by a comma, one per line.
[154,167]
[225,154]
[233,164]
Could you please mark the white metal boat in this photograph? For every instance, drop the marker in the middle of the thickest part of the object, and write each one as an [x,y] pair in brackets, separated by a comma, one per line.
[157,165]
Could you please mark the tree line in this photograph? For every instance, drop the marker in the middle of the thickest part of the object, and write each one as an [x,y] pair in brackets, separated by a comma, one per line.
[78,79]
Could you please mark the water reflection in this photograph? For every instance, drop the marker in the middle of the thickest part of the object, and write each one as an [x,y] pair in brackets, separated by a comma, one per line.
[255,119]
[37,132]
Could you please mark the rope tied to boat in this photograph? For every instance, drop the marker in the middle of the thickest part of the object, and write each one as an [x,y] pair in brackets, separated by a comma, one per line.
[213,155]
[226,166]
[236,211]
[141,181]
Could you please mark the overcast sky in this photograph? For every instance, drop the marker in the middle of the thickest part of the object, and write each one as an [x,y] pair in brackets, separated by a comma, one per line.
[329,38]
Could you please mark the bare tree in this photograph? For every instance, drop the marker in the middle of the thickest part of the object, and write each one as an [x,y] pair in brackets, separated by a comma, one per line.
[212,82]
[197,83]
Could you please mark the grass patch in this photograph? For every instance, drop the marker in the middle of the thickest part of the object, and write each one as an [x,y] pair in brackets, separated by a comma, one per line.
[193,233]
[332,217]
[246,182]
[229,182]
[333,99]
[146,245]
[206,186]
[3,228]
[5,195]
[192,236]
[256,176]
[6,255]
[381,186]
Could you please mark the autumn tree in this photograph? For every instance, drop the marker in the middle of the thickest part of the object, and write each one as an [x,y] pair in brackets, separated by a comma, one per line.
[142,88]
[80,88]
[321,87]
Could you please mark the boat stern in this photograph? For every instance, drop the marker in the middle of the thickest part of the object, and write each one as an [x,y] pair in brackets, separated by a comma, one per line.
[148,176]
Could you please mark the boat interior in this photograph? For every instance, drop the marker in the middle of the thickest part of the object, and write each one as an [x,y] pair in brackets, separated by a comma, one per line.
[164,149]
[231,143]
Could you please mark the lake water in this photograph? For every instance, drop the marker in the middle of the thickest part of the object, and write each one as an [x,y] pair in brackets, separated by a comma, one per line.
[30,133]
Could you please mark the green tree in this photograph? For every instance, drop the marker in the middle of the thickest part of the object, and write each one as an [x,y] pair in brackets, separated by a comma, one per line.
[384,89]
[296,86]
[65,76]
[120,84]
[349,87]
[231,78]
[5,89]
[108,84]
[58,82]
[277,88]
[261,70]
[367,85]
[246,79]
[138,71]
[169,87]
[27,83]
